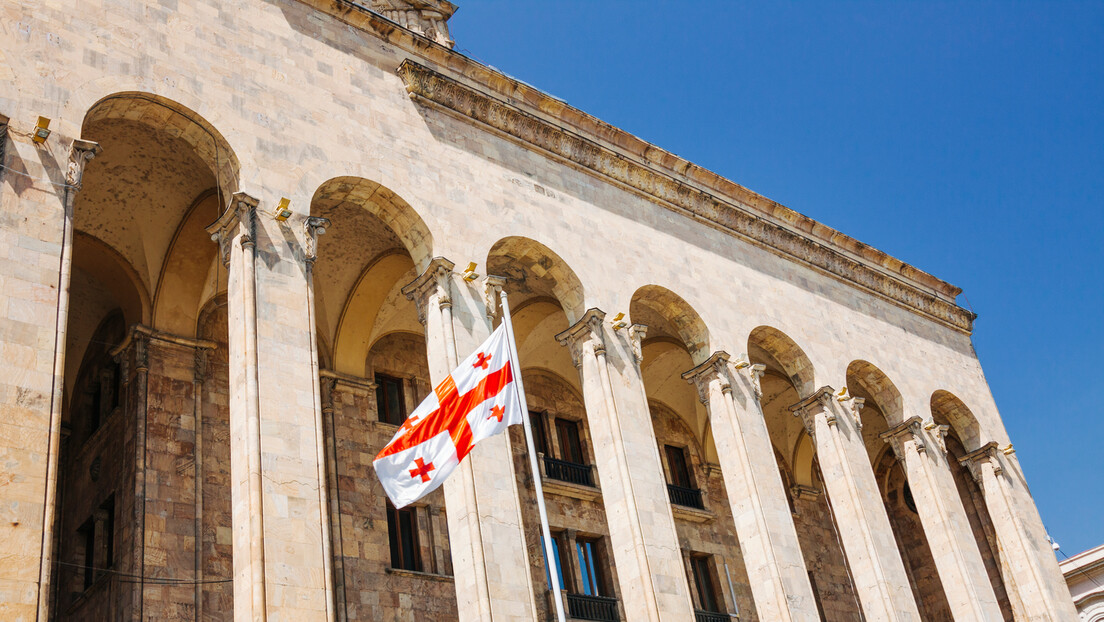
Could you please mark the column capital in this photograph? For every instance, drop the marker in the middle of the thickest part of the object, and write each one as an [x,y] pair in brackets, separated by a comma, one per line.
[434,281]
[80,153]
[238,219]
[314,227]
[819,403]
[904,436]
[492,287]
[636,340]
[976,459]
[713,369]
[586,335]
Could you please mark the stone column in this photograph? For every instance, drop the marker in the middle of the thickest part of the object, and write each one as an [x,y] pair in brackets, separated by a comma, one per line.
[764,525]
[1029,567]
[483,510]
[864,529]
[642,529]
[921,451]
[277,485]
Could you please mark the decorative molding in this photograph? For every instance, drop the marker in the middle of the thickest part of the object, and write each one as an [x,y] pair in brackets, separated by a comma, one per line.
[855,406]
[938,433]
[80,153]
[819,403]
[676,184]
[714,368]
[428,18]
[492,287]
[314,226]
[806,493]
[754,373]
[975,460]
[435,280]
[239,221]
[692,515]
[585,336]
[636,338]
[904,436]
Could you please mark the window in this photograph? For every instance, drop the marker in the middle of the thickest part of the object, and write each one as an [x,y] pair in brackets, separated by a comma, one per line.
[703,579]
[108,510]
[86,538]
[390,401]
[540,439]
[676,464]
[571,450]
[402,531]
[557,555]
[590,567]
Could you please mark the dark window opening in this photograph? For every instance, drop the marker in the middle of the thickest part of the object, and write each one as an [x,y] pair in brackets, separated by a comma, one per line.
[86,536]
[703,580]
[390,401]
[115,382]
[571,449]
[402,531]
[94,411]
[910,502]
[108,509]
[676,464]
[540,438]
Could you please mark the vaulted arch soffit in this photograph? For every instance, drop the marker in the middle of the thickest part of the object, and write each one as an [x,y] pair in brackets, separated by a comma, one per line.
[948,409]
[533,270]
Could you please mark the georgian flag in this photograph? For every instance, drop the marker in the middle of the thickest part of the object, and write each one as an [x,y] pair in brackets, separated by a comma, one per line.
[476,401]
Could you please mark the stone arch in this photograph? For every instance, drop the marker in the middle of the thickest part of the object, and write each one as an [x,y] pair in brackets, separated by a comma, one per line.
[660,308]
[946,408]
[190,270]
[532,269]
[178,121]
[385,205]
[865,380]
[776,350]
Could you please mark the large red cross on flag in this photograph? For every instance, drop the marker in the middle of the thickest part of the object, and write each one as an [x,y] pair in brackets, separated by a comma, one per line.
[477,400]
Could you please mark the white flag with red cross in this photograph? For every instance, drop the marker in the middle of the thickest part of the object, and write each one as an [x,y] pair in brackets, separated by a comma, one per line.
[477,400]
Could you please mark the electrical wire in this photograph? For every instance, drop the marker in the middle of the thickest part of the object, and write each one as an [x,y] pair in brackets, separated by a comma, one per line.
[135,578]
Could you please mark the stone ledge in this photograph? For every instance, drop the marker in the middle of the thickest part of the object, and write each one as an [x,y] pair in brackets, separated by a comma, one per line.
[567,489]
[692,515]
[738,211]
[444,578]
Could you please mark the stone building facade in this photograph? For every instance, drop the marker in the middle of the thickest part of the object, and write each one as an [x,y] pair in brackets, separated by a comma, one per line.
[235,253]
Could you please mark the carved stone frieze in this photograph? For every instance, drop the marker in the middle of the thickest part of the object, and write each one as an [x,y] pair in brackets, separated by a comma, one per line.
[434,282]
[80,153]
[428,18]
[828,251]
[587,336]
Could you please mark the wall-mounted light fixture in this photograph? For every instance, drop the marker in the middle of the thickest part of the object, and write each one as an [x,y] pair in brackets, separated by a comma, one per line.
[618,322]
[469,272]
[283,212]
[742,361]
[41,131]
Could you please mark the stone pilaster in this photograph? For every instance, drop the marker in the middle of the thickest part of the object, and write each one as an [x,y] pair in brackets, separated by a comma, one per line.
[1029,567]
[489,553]
[921,451]
[642,529]
[865,532]
[278,486]
[764,525]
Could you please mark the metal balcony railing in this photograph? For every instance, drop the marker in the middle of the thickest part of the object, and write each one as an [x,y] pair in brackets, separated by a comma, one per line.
[709,616]
[568,471]
[686,497]
[581,607]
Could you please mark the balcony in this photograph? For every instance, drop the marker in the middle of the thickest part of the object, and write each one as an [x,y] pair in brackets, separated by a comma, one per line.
[709,616]
[568,472]
[686,497]
[581,607]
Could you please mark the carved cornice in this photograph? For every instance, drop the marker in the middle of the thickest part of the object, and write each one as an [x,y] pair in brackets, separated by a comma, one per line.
[987,453]
[492,287]
[820,402]
[714,368]
[586,335]
[681,186]
[904,436]
[435,280]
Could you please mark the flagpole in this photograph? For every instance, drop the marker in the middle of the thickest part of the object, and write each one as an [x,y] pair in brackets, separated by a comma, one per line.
[553,569]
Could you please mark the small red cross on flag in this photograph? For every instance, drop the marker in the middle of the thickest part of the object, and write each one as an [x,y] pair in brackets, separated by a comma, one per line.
[477,400]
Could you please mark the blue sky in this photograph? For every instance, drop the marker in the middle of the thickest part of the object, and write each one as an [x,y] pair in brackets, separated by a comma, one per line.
[966,138]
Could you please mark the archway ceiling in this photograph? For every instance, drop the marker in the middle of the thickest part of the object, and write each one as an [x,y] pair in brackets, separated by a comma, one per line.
[354,240]
[90,301]
[535,327]
[137,191]
[784,428]
[664,364]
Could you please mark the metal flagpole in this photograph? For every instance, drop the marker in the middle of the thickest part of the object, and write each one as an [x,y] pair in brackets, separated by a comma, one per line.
[553,570]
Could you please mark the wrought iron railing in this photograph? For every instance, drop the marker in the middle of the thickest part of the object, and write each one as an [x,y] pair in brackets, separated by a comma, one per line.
[568,471]
[686,497]
[600,608]
[709,616]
